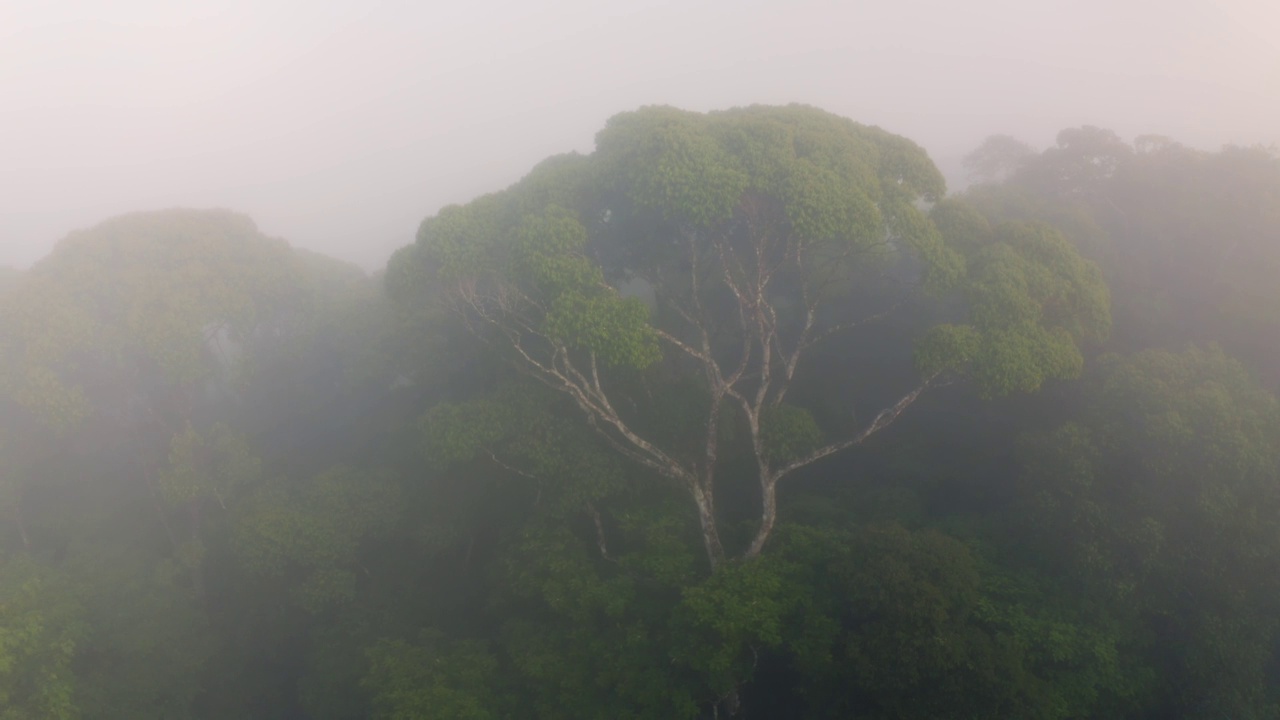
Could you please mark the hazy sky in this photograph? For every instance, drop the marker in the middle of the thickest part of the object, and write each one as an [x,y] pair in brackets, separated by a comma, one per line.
[339,124]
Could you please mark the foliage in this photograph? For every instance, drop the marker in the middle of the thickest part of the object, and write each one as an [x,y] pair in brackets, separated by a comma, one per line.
[215,466]
[315,531]
[788,432]
[151,642]
[1164,505]
[1033,303]
[41,630]
[431,678]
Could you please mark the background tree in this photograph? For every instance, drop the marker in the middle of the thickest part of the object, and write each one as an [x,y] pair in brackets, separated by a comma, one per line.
[151,324]
[1186,237]
[1161,505]
[997,158]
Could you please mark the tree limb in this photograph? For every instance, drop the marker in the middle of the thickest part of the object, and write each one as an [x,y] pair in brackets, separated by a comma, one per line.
[884,419]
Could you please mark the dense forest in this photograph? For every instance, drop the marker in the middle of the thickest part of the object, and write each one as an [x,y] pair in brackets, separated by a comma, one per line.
[739,415]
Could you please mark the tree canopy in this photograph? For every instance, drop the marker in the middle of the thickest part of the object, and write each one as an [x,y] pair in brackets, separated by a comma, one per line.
[749,230]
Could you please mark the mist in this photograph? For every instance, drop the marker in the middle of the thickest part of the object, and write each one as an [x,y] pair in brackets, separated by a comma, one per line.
[564,360]
[340,125]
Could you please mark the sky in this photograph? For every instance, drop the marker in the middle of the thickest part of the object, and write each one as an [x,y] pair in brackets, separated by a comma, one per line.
[339,125]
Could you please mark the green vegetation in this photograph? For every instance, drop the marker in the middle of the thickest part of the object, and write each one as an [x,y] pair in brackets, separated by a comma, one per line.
[740,415]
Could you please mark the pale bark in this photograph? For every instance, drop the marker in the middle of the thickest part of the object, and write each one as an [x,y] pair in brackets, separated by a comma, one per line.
[761,374]
[769,480]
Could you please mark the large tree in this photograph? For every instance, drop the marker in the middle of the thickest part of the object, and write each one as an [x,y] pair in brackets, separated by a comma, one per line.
[725,248]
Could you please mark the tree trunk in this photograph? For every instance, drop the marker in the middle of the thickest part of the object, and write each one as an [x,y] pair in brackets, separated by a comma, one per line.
[704,497]
[768,515]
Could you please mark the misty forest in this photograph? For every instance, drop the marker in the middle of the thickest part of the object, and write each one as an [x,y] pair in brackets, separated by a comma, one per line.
[741,414]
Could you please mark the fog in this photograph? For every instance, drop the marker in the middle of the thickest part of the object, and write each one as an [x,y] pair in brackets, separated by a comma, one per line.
[966,410]
[340,125]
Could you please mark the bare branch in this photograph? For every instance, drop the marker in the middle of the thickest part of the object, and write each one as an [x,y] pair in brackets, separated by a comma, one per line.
[685,347]
[560,374]
[881,421]
[793,359]
[853,324]
[511,468]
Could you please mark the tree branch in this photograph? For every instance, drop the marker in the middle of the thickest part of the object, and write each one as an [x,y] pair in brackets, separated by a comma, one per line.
[511,468]
[853,324]
[559,373]
[884,419]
